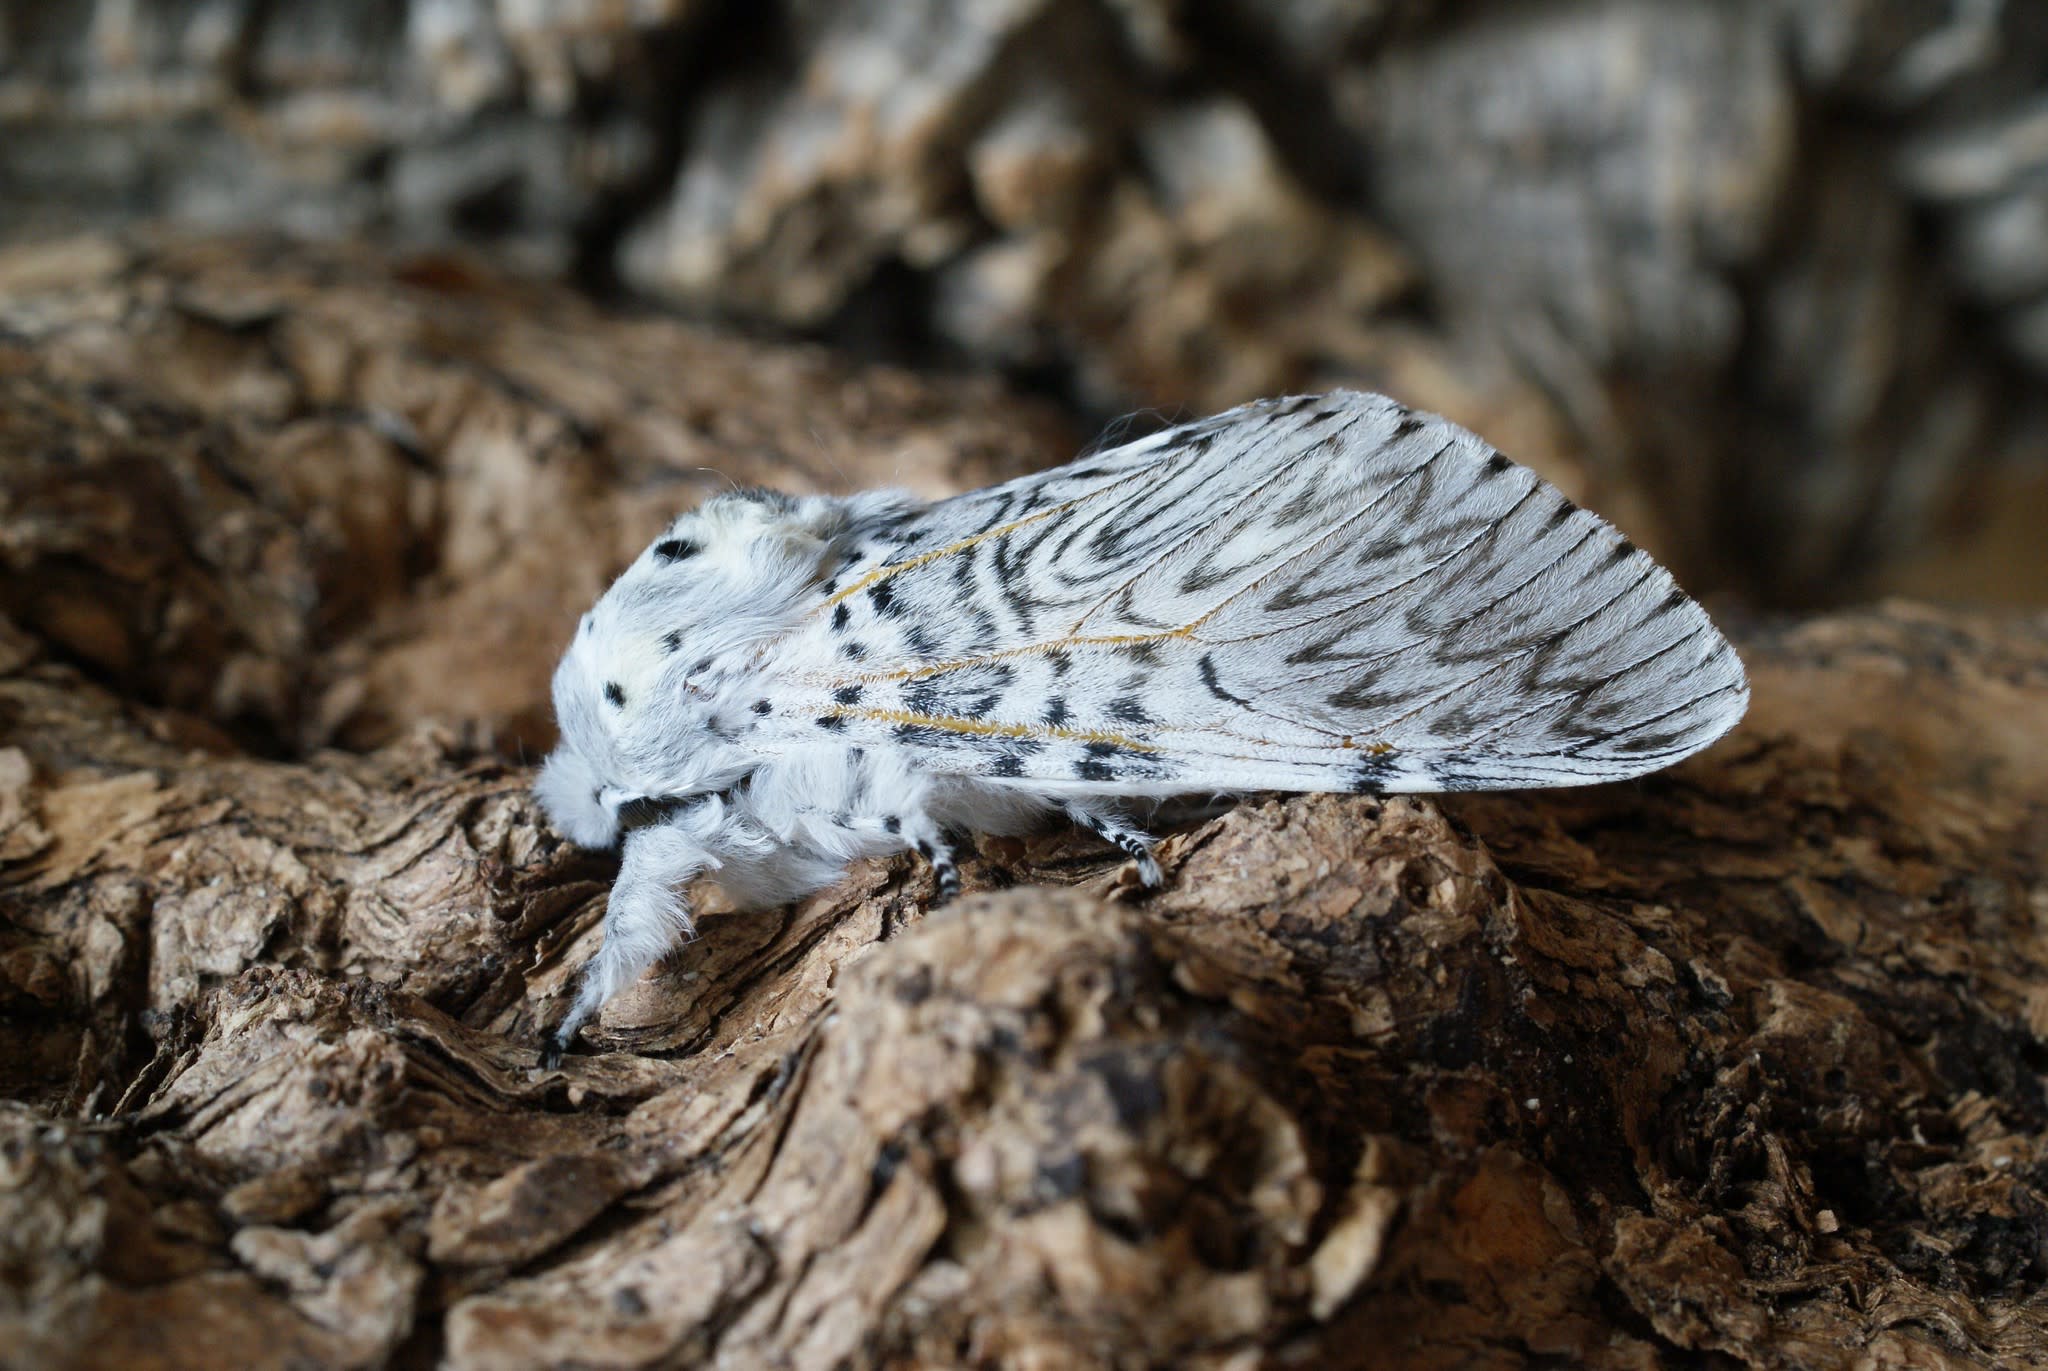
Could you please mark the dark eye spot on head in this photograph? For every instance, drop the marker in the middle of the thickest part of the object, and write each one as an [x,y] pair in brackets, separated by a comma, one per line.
[702,665]
[676,549]
[892,824]
[616,693]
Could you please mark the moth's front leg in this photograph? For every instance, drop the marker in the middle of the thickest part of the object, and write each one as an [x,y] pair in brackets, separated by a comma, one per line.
[643,919]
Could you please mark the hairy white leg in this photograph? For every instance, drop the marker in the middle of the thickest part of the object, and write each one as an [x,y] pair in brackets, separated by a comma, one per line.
[644,918]
[1119,832]
[910,830]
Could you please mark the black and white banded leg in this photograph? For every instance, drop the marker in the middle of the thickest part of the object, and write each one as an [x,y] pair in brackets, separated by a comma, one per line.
[921,835]
[934,848]
[913,832]
[1120,833]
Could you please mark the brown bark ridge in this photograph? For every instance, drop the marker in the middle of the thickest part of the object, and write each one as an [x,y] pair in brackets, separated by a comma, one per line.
[1736,1066]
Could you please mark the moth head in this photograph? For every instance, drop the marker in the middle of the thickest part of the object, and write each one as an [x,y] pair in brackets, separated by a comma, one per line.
[637,693]
[572,792]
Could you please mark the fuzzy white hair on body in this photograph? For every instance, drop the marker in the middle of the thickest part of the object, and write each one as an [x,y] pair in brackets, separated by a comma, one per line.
[1318,593]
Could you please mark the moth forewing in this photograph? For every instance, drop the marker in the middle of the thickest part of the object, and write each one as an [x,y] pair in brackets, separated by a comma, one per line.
[1329,592]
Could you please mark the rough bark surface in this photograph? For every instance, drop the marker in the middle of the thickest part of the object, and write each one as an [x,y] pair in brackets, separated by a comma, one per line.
[1784,263]
[1738,1066]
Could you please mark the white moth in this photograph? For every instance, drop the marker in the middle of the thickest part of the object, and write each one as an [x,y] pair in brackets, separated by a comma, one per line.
[1320,593]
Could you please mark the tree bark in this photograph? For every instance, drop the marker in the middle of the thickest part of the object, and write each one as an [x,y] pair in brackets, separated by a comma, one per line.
[1736,1065]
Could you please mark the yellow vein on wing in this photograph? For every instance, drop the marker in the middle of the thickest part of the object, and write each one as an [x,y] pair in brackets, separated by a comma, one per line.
[1184,633]
[883,573]
[988,729]
[919,672]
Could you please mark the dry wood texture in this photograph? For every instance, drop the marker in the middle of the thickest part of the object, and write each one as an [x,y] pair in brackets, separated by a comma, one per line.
[1739,1066]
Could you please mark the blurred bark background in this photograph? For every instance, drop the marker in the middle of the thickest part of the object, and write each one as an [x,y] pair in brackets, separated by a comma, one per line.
[1741,1065]
[1778,266]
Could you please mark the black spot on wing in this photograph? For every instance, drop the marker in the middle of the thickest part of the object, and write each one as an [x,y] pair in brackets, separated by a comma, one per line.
[1056,710]
[1060,661]
[847,695]
[672,640]
[671,550]
[841,617]
[970,693]
[927,737]
[1371,775]
[762,707]
[831,723]
[1009,764]
[1207,667]
[1497,465]
[1129,709]
[616,693]
[883,597]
